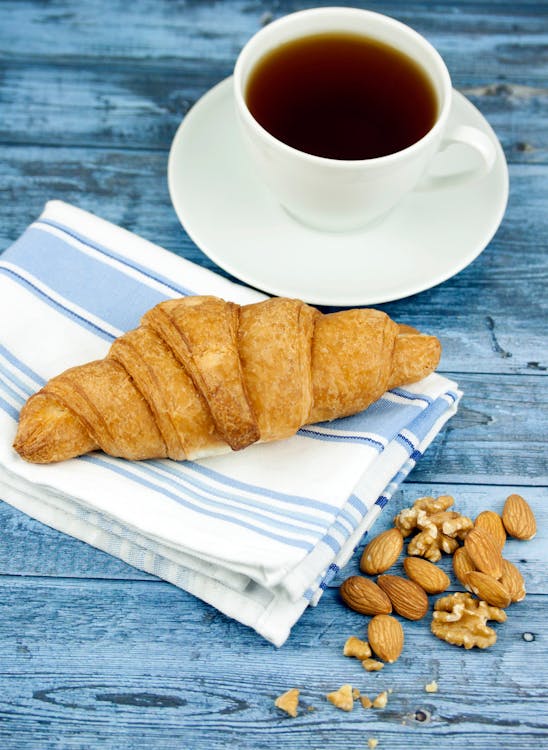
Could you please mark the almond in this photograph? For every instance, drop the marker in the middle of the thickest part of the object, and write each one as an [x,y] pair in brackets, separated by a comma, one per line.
[407,597]
[512,580]
[381,552]
[518,518]
[488,589]
[429,577]
[492,522]
[462,565]
[484,552]
[364,596]
[385,635]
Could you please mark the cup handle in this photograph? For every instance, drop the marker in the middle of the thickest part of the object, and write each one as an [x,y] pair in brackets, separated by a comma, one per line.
[473,138]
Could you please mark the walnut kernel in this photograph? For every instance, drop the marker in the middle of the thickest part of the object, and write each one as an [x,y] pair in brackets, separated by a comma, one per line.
[354,647]
[372,665]
[439,529]
[461,620]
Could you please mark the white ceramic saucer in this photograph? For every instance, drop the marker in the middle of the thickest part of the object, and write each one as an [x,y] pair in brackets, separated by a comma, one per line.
[234,219]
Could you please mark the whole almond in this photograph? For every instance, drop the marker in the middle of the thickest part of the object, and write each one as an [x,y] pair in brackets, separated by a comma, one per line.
[512,580]
[429,577]
[518,518]
[407,597]
[364,596]
[484,552]
[492,522]
[385,636]
[462,565]
[381,552]
[488,589]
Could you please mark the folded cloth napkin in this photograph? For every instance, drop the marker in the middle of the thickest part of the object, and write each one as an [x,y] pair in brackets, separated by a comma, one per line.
[258,534]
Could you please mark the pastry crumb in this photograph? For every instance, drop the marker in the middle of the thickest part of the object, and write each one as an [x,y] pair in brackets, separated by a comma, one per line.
[372,743]
[365,701]
[432,687]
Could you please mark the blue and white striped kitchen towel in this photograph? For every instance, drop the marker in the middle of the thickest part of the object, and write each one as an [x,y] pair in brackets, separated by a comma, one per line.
[258,534]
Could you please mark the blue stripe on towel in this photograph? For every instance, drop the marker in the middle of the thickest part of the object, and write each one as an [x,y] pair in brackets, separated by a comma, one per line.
[118,469]
[25,369]
[4,376]
[422,425]
[122,299]
[383,417]
[255,507]
[56,304]
[308,432]
[407,444]
[412,396]
[9,409]
[181,290]
[265,491]
[355,502]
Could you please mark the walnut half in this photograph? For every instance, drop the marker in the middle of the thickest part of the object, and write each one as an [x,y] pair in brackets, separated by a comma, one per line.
[462,620]
[439,529]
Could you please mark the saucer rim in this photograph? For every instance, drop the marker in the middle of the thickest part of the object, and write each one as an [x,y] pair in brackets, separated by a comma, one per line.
[382,297]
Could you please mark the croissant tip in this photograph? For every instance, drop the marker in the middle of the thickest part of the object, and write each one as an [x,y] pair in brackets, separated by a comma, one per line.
[31,449]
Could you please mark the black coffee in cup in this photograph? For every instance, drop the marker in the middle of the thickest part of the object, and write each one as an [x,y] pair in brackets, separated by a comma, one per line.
[342,96]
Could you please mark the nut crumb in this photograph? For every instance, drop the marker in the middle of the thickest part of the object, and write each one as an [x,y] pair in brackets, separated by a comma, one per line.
[357,648]
[381,700]
[342,698]
[365,701]
[288,702]
[372,665]
[432,687]
[355,693]
[372,743]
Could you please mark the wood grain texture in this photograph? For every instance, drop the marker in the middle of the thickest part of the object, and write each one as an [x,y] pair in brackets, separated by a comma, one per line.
[124,664]
[94,653]
[487,334]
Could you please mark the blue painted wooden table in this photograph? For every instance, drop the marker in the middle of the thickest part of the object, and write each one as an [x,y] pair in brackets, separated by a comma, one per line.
[94,653]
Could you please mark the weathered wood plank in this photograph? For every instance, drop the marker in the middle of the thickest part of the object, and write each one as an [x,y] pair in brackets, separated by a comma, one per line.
[490,333]
[145,665]
[471,36]
[130,106]
[94,653]
[492,438]
[97,86]
[31,549]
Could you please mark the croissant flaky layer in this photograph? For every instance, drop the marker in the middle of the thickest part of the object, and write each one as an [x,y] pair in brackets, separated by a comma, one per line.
[202,376]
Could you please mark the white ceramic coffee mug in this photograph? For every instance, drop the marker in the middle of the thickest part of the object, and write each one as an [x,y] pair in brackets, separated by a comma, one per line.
[335,194]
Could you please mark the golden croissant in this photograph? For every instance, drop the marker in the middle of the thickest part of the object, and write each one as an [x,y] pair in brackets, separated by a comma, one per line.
[202,376]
